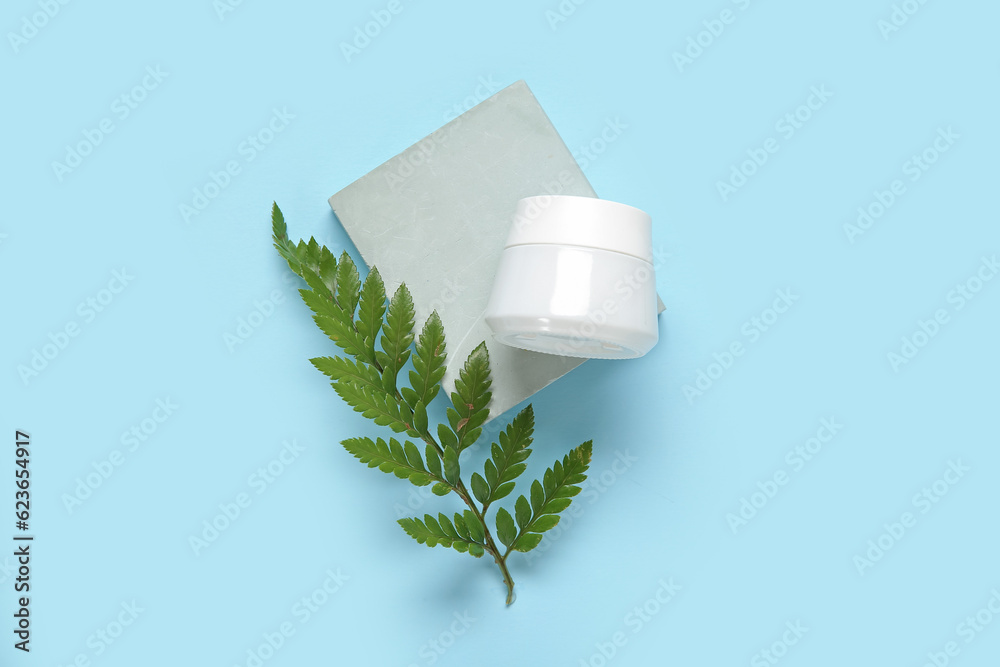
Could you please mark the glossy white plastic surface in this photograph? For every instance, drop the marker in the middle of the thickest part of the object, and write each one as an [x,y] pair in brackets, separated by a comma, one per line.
[575,299]
[582,221]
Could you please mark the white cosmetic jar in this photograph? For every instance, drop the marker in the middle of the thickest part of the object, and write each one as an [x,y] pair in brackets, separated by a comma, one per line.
[576,279]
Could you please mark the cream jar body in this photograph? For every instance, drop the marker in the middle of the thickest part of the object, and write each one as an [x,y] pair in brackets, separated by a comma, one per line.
[575,279]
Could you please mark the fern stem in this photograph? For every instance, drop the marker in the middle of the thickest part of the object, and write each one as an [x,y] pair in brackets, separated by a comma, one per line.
[491,546]
[429,439]
[463,492]
[507,579]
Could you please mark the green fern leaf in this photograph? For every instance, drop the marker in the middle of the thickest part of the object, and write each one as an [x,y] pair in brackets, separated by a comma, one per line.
[452,472]
[377,405]
[397,336]
[378,340]
[471,398]
[447,437]
[315,264]
[420,418]
[337,324]
[348,283]
[508,457]
[428,363]
[401,460]
[555,493]
[434,531]
[311,254]
[279,236]
[342,368]
[316,283]
[506,530]
[433,462]
[278,226]
[480,488]
[326,268]
[477,531]
[522,512]
[371,311]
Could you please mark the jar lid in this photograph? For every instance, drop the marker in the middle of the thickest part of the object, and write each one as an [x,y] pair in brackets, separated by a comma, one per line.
[582,221]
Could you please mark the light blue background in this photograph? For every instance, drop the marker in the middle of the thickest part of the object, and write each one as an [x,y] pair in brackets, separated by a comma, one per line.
[664,516]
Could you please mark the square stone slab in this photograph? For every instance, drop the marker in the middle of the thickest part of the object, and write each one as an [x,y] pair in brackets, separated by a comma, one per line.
[436,217]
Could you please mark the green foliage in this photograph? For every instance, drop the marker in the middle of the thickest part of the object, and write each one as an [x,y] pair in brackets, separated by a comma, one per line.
[550,497]
[506,530]
[377,405]
[471,399]
[378,340]
[507,462]
[402,460]
[464,534]
[428,364]
[335,323]
[348,284]
[397,337]
[342,368]
[372,311]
